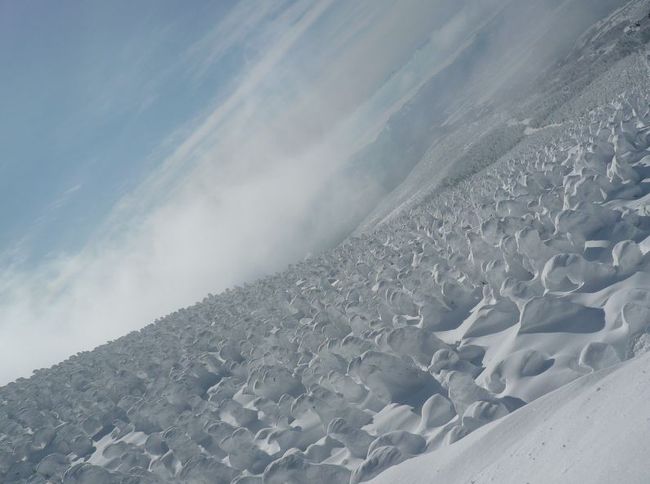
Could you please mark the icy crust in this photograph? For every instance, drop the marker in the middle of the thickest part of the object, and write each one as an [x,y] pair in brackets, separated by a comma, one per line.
[502,289]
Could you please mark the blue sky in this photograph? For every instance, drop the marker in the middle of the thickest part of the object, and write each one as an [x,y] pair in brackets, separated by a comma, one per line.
[89,90]
[154,151]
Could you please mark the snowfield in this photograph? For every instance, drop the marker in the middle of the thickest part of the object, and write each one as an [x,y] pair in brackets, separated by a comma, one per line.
[495,329]
[594,430]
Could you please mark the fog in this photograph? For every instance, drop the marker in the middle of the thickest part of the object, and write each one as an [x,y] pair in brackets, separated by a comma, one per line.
[257,180]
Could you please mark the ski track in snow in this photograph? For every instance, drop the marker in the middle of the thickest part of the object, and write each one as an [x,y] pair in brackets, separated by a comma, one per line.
[522,287]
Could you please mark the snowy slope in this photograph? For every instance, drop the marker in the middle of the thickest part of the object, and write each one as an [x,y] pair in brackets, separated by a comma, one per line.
[608,59]
[510,290]
[592,430]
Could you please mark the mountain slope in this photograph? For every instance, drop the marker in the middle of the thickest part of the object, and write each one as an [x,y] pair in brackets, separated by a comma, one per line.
[461,309]
[486,121]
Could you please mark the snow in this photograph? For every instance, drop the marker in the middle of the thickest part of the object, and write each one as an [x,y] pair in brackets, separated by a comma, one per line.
[592,430]
[495,331]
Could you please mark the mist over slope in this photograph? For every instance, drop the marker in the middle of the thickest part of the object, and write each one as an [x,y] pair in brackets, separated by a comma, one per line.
[506,58]
[527,80]
[499,296]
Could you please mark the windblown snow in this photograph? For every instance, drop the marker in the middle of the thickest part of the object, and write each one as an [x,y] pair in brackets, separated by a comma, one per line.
[498,330]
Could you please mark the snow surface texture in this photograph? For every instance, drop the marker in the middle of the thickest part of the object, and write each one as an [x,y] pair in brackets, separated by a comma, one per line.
[593,430]
[503,288]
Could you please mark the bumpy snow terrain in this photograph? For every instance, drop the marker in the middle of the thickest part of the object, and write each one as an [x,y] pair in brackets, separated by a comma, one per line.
[593,430]
[524,288]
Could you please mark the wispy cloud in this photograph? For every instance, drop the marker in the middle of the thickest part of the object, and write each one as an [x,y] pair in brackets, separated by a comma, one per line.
[247,19]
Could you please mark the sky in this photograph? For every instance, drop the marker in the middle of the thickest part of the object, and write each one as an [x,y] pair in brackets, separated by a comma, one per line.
[154,151]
